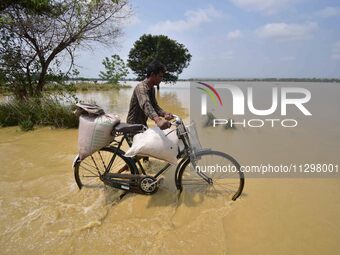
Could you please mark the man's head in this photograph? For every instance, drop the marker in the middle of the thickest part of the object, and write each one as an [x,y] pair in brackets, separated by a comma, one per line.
[155,72]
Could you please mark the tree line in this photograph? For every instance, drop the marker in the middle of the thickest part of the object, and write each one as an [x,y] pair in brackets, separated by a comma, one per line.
[37,38]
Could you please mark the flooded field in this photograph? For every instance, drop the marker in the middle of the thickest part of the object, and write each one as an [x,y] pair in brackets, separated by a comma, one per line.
[42,211]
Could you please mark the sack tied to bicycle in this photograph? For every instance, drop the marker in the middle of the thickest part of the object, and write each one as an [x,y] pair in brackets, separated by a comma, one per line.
[102,161]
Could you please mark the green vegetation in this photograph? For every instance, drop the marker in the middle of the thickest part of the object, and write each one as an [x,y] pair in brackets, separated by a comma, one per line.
[115,69]
[95,86]
[47,111]
[37,39]
[38,36]
[84,86]
[158,47]
[36,6]
[74,87]
[4,91]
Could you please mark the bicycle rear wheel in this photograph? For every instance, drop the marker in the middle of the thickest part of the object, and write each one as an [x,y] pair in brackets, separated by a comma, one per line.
[87,172]
[213,172]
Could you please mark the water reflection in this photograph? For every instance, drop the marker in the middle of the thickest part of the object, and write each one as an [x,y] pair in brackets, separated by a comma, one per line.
[171,99]
[174,102]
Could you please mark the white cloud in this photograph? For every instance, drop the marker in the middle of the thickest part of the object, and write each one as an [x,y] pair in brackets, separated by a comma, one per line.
[265,6]
[287,31]
[193,18]
[233,35]
[329,12]
[336,51]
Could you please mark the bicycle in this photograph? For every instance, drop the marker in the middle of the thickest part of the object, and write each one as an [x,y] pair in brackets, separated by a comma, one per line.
[196,170]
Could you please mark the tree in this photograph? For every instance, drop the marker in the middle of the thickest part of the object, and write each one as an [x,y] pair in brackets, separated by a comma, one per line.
[158,47]
[115,69]
[33,5]
[34,43]
[2,78]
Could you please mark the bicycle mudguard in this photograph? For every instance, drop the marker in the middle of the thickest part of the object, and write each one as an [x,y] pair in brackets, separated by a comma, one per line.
[180,164]
[178,168]
[76,159]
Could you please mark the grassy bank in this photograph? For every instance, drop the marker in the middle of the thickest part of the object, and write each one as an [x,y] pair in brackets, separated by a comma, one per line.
[4,91]
[47,111]
[74,87]
[96,86]
[84,86]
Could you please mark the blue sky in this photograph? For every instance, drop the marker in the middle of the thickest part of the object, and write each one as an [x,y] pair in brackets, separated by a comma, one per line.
[237,38]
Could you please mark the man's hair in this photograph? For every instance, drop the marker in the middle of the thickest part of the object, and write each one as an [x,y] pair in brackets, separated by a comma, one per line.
[155,67]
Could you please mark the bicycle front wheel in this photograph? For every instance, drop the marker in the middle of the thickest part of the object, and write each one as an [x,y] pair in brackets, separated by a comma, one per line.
[87,172]
[212,172]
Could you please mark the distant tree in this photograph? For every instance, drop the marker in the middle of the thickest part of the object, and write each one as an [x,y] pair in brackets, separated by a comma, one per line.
[35,41]
[31,5]
[158,47]
[115,69]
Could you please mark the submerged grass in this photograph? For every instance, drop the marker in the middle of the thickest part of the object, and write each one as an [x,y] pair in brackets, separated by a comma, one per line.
[104,86]
[85,86]
[46,111]
[73,87]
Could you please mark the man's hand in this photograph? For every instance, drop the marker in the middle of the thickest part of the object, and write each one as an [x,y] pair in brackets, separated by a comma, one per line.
[161,123]
[168,116]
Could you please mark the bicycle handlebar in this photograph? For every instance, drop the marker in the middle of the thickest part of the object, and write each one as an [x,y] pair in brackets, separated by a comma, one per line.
[177,120]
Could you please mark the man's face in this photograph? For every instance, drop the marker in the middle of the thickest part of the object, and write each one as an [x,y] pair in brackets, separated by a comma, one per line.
[157,78]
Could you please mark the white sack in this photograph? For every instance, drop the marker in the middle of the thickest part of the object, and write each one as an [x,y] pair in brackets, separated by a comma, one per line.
[154,143]
[172,135]
[95,133]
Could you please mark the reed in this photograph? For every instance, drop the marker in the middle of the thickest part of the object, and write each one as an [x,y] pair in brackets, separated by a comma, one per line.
[46,111]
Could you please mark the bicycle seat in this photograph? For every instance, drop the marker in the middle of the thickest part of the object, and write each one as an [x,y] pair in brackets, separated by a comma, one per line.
[129,128]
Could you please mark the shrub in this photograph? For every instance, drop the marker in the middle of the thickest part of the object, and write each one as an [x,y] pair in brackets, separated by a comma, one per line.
[46,111]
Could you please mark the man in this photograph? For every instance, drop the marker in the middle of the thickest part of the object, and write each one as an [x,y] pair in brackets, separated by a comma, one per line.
[143,104]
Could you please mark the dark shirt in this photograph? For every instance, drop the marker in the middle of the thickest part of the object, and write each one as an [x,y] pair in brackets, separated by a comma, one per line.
[143,105]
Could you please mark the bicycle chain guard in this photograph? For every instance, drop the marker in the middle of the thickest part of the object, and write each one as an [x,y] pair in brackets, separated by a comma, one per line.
[142,184]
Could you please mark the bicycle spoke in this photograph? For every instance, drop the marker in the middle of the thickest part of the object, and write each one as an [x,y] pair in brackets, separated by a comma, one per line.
[88,171]
[87,164]
[100,155]
[215,166]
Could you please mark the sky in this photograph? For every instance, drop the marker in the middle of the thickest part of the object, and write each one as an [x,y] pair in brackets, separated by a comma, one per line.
[236,38]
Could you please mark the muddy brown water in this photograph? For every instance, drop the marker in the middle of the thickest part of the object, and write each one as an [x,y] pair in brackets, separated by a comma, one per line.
[43,212]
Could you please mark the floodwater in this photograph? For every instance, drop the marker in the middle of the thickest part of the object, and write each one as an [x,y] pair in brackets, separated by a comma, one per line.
[43,212]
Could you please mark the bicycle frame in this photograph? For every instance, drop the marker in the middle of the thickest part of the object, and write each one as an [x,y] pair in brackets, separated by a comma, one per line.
[189,160]
[186,154]
[118,144]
